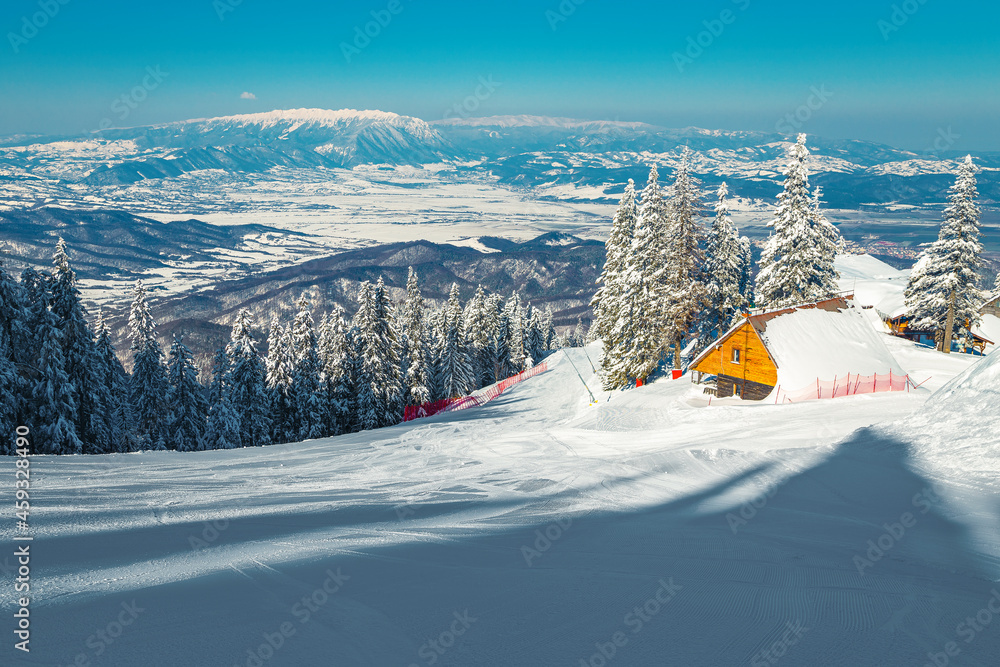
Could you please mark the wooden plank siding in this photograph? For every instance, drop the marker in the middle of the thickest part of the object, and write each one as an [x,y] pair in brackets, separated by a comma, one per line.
[755,364]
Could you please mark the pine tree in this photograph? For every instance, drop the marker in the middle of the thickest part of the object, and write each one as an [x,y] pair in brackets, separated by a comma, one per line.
[504,365]
[335,360]
[435,342]
[746,273]
[12,386]
[36,293]
[457,375]
[549,328]
[349,386]
[379,381]
[515,317]
[795,264]
[116,383]
[534,336]
[186,398]
[415,345]
[684,275]
[478,325]
[828,243]
[53,409]
[580,333]
[306,374]
[245,384]
[636,343]
[724,269]
[944,280]
[80,353]
[9,384]
[149,380]
[223,430]
[606,303]
[278,376]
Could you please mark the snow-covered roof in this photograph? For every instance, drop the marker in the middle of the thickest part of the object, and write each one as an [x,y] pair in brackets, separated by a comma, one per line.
[989,328]
[824,341]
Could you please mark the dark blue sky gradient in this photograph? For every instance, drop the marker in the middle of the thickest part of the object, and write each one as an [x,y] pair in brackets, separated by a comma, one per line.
[606,60]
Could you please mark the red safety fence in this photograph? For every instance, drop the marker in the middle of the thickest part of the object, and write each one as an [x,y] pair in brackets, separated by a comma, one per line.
[426,410]
[481,397]
[847,386]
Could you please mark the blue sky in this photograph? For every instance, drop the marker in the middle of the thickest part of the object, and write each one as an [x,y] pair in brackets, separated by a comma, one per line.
[932,71]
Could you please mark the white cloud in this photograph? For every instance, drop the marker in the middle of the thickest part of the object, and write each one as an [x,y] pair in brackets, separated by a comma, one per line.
[247,96]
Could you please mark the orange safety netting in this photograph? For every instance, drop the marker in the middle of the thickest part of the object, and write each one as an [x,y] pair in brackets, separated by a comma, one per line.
[846,386]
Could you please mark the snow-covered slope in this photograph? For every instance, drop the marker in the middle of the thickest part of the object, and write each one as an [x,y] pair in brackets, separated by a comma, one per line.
[530,532]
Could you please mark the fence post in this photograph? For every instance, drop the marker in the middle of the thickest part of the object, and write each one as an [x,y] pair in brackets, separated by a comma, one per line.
[890,380]
[777,394]
[819,392]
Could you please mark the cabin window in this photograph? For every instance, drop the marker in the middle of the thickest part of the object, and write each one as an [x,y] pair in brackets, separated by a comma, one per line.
[737,391]
[736,356]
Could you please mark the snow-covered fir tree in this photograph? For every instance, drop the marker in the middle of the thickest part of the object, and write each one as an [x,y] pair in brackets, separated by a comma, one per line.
[607,302]
[580,333]
[515,316]
[335,357]
[724,270]
[149,379]
[828,245]
[306,373]
[53,407]
[457,374]
[36,293]
[223,430]
[82,366]
[535,336]
[245,384]
[416,351]
[549,329]
[685,293]
[12,385]
[634,346]
[278,375]
[116,384]
[379,382]
[943,283]
[746,272]
[503,363]
[186,399]
[478,325]
[796,263]
[9,398]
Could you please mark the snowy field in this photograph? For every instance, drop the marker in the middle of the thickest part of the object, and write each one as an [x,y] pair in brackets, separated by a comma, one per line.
[543,530]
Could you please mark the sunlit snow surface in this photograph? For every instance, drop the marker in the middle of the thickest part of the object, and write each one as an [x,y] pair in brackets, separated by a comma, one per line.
[758,512]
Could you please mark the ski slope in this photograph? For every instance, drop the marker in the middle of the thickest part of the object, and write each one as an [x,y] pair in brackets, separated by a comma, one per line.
[542,530]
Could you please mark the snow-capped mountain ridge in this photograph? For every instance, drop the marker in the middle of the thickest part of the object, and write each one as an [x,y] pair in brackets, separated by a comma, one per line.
[572,159]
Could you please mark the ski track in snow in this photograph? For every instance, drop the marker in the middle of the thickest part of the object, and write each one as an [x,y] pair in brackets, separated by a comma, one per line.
[432,518]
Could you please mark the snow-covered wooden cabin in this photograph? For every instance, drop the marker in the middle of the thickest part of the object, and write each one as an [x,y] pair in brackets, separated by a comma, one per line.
[792,348]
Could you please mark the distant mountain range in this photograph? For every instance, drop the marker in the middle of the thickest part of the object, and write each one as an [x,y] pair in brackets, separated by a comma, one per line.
[568,159]
[555,270]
